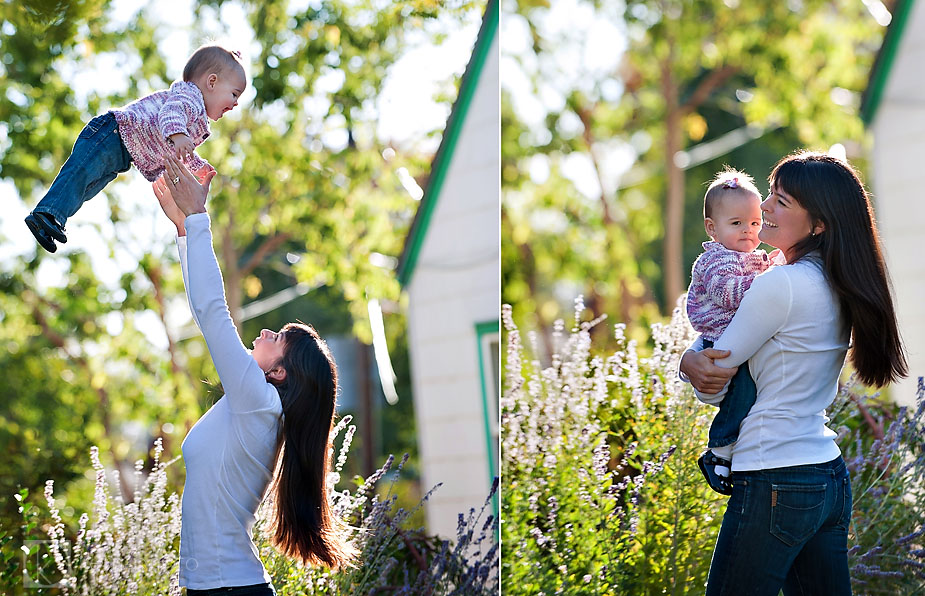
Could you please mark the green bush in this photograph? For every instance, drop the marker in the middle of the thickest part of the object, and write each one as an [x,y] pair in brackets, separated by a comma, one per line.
[132,547]
[602,494]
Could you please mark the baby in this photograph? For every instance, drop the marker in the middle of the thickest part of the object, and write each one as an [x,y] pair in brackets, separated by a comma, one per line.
[168,121]
[720,277]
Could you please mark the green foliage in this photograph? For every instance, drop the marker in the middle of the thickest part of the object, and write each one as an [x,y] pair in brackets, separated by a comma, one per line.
[587,179]
[130,545]
[886,459]
[602,493]
[304,178]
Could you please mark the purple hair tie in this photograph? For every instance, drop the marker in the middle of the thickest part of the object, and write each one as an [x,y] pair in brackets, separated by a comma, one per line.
[731,183]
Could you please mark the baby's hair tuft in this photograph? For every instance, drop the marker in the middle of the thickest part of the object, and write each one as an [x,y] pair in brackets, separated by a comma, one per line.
[729,180]
[210,58]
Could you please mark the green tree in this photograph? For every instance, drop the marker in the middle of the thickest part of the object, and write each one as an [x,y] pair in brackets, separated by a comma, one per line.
[86,365]
[690,72]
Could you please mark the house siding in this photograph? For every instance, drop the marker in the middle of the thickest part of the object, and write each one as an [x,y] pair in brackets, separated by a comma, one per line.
[456,284]
[897,182]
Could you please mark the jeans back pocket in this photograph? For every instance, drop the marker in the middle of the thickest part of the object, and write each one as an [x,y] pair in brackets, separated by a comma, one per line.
[93,126]
[797,511]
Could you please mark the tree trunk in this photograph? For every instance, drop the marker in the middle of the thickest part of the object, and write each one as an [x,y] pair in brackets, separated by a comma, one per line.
[615,228]
[672,257]
[231,271]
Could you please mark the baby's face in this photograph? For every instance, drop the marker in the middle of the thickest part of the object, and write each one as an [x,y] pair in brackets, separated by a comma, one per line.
[221,94]
[736,221]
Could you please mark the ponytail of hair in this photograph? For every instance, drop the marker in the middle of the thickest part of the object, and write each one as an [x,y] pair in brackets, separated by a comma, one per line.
[303,525]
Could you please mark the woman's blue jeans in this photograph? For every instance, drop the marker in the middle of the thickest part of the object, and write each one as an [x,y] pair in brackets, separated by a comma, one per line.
[98,156]
[254,590]
[785,528]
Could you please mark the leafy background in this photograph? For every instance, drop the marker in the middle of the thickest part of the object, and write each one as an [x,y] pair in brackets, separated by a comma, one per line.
[310,194]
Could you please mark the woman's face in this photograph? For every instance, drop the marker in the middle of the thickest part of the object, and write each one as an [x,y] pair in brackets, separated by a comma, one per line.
[268,349]
[785,221]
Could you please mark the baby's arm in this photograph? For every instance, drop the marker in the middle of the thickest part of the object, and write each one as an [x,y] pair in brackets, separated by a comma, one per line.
[182,144]
[173,120]
[727,281]
[199,167]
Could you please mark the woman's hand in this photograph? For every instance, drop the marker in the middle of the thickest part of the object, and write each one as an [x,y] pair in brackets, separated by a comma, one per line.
[705,376]
[173,213]
[188,194]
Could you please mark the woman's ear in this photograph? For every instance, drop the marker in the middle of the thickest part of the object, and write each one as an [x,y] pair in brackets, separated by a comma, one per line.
[277,374]
[818,228]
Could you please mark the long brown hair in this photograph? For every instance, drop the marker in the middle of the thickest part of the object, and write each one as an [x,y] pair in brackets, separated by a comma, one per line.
[849,245]
[304,527]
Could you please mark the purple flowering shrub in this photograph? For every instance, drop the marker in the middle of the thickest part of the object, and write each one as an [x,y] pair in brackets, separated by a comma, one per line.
[886,460]
[394,559]
[128,548]
[601,489]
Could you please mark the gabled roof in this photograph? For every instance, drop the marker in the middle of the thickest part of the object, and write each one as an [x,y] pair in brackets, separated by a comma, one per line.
[883,64]
[444,156]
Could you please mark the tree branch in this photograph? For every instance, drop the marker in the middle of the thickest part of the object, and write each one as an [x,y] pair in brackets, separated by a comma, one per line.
[266,247]
[706,87]
[875,427]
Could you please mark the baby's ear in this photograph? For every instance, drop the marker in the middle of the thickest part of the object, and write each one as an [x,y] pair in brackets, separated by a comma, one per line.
[709,226]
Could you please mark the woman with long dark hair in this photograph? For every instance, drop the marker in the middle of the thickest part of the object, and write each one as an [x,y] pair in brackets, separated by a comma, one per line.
[270,430]
[786,523]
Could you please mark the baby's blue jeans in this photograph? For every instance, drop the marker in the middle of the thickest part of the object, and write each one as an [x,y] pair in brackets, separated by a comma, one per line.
[740,397]
[97,158]
[785,528]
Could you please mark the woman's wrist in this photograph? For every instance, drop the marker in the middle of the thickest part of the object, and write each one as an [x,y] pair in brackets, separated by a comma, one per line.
[681,373]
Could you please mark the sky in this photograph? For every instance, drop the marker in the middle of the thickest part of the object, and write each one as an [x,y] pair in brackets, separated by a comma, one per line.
[588,51]
[406,113]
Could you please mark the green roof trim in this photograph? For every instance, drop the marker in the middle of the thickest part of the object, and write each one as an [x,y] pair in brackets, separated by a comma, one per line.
[444,156]
[880,72]
[492,449]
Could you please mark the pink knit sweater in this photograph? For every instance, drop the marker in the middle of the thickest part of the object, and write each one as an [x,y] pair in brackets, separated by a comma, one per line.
[718,281]
[146,123]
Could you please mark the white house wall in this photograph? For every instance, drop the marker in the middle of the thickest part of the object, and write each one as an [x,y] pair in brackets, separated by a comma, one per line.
[898,183]
[455,285]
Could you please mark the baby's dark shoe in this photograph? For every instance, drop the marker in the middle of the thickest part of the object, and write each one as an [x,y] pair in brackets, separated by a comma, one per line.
[46,230]
[708,462]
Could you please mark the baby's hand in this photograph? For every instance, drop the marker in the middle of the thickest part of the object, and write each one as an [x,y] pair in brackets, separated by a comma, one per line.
[182,144]
[203,172]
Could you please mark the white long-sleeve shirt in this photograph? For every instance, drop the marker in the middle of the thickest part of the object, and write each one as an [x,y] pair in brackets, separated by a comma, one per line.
[790,331]
[229,453]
